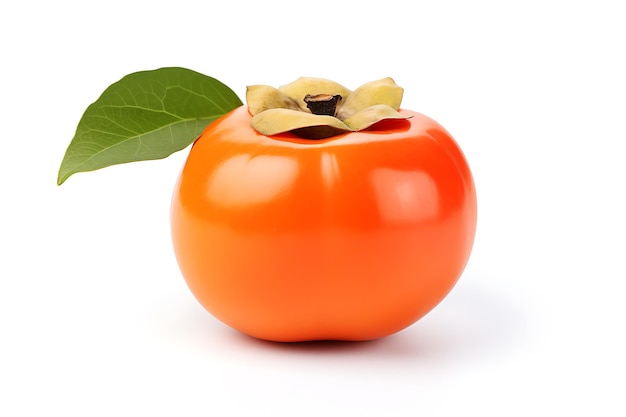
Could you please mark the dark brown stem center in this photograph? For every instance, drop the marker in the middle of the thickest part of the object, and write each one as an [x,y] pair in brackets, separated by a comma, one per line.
[322,104]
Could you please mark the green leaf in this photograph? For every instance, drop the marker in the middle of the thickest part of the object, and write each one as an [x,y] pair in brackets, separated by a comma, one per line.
[146,115]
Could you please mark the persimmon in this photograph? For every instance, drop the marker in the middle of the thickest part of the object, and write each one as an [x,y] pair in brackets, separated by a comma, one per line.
[352,237]
[313,212]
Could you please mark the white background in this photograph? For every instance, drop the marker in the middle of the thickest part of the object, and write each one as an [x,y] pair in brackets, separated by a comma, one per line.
[95,318]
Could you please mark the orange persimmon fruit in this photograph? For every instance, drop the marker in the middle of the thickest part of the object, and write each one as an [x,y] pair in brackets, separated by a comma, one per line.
[352,237]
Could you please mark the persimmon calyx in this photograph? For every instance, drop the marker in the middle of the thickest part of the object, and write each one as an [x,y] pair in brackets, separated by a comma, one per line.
[317,108]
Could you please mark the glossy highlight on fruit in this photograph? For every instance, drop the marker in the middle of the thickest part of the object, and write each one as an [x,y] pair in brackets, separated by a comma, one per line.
[352,237]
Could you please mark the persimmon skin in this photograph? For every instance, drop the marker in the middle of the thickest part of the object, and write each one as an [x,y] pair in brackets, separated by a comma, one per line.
[354,237]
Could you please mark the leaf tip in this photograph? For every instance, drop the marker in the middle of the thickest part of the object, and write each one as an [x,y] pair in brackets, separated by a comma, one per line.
[61,178]
[64,173]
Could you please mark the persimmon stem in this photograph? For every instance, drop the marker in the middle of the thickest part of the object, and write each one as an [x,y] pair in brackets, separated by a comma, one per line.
[322,104]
